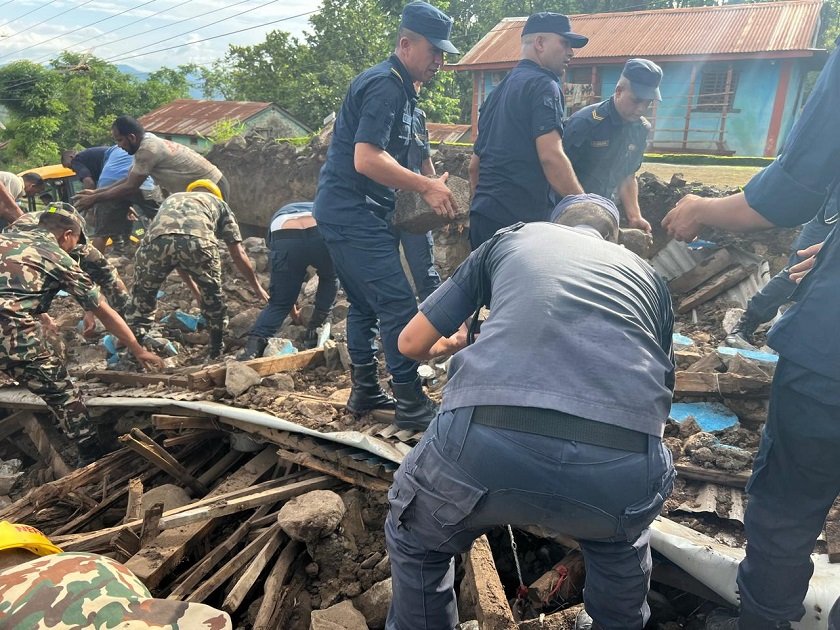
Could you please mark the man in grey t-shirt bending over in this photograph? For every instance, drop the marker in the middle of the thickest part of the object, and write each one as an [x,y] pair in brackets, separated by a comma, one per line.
[553,418]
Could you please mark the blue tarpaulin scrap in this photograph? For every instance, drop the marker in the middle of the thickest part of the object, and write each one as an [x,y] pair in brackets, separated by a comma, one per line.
[710,416]
[756,355]
[682,340]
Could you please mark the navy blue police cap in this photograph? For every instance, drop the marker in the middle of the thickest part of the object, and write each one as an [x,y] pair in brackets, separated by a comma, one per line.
[644,77]
[547,22]
[430,22]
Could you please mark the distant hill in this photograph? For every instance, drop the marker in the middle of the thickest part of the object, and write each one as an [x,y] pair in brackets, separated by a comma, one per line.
[194,79]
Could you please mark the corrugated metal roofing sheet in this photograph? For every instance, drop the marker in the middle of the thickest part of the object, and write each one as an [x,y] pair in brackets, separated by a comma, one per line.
[440,132]
[784,28]
[190,117]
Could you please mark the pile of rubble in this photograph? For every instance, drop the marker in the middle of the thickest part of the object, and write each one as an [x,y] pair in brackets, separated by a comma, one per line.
[247,486]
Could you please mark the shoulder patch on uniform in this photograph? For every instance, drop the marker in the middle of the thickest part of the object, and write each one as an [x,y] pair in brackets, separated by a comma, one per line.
[596,115]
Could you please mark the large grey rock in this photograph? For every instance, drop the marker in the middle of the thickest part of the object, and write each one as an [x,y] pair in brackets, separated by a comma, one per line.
[637,241]
[169,494]
[242,322]
[342,616]
[240,378]
[312,516]
[413,214]
[374,603]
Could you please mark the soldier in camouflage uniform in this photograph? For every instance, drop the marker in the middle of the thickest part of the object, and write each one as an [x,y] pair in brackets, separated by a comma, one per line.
[84,590]
[185,234]
[34,266]
[92,262]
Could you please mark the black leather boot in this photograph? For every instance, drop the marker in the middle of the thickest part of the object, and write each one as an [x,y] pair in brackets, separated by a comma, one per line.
[741,335]
[367,393]
[90,449]
[216,347]
[254,348]
[310,336]
[415,411]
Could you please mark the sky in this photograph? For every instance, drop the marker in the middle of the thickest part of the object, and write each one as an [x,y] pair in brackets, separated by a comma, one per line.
[38,30]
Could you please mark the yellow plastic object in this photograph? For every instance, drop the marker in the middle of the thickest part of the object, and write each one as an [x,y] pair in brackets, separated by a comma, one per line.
[15,536]
[54,171]
[207,185]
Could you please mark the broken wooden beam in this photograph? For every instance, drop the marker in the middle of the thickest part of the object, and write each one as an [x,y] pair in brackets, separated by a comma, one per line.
[252,573]
[705,270]
[146,447]
[39,436]
[151,524]
[713,288]
[11,424]
[729,478]
[344,474]
[134,508]
[722,384]
[135,379]
[272,591]
[491,606]
[215,376]
[168,422]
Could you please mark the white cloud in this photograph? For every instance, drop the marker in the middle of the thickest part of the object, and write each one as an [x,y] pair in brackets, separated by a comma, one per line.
[50,38]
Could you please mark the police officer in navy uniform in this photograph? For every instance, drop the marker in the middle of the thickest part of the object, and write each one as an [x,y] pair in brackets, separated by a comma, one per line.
[606,141]
[366,162]
[518,159]
[419,248]
[796,475]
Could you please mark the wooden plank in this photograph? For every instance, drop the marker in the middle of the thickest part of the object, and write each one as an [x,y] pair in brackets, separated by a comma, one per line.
[152,563]
[189,582]
[713,475]
[44,445]
[228,570]
[151,524]
[491,606]
[713,288]
[252,573]
[350,476]
[190,437]
[215,376]
[144,446]
[272,591]
[11,424]
[167,422]
[134,509]
[706,269]
[135,379]
[330,452]
[706,384]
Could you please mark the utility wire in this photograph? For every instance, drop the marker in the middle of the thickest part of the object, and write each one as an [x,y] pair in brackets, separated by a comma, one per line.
[198,41]
[28,12]
[52,17]
[76,30]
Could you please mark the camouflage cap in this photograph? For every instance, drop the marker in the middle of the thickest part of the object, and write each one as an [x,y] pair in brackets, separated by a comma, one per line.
[68,210]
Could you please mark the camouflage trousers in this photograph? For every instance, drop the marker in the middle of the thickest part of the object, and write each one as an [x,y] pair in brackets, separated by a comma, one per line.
[24,358]
[155,260]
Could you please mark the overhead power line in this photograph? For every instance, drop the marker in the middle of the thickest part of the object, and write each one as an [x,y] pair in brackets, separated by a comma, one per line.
[22,15]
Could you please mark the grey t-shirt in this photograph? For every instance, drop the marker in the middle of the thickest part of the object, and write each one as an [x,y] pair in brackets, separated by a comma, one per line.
[173,166]
[576,324]
[13,183]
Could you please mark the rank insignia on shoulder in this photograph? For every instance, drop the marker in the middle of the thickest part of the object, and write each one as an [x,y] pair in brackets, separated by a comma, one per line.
[596,115]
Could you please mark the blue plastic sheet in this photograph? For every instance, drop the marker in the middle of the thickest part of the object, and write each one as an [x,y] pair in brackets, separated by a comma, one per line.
[756,355]
[710,416]
[682,340]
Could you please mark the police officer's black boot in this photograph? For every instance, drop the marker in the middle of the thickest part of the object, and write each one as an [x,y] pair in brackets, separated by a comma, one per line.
[254,348]
[367,394]
[310,336]
[741,335]
[216,346]
[723,619]
[415,411]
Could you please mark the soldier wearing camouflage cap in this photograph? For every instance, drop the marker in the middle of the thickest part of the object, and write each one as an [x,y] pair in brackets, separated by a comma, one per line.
[42,587]
[34,266]
[185,235]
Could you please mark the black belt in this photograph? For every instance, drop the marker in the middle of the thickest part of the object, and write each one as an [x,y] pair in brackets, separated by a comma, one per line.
[557,424]
[295,233]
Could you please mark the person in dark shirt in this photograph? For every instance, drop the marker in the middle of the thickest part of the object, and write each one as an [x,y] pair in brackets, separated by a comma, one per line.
[796,475]
[606,141]
[367,160]
[553,418]
[518,159]
[87,164]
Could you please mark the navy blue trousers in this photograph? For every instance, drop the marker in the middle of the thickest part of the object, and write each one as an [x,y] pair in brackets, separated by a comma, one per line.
[420,255]
[764,304]
[463,479]
[795,480]
[482,228]
[367,261]
[289,259]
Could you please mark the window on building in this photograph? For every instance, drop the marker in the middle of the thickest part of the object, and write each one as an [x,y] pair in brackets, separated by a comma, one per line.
[717,89]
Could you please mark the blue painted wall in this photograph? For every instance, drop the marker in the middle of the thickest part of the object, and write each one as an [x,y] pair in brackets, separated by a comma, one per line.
[747,124]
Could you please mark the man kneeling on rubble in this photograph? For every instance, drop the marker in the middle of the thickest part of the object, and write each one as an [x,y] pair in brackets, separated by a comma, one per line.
[552,419]
[34,266]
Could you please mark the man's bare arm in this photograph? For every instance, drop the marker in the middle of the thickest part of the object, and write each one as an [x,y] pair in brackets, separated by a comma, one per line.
[556,165]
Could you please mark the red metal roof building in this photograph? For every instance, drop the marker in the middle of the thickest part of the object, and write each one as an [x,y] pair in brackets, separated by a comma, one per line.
[733,74]
[191,122]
